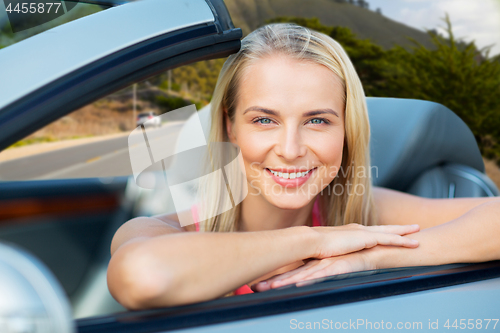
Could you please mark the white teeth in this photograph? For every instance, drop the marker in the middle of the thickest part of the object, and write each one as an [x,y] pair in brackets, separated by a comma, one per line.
[292,175]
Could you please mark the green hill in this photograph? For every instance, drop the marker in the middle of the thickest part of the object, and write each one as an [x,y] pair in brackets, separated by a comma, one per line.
[366,24]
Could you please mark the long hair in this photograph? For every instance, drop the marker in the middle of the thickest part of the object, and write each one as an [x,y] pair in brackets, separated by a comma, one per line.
[341,201]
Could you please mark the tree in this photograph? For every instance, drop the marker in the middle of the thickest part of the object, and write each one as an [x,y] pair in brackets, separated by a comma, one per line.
[455,74]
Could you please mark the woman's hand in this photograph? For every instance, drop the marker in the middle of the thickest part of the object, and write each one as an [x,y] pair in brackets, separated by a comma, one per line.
[343,249]
[318,268]
[336,241]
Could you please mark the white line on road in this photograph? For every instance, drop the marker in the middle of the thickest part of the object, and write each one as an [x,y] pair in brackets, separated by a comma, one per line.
[58,173]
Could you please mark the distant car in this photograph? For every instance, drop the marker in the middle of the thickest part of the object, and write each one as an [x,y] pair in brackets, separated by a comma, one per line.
[148,119]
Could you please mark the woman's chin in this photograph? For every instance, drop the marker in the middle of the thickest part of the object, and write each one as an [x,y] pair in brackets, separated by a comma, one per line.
[288,202]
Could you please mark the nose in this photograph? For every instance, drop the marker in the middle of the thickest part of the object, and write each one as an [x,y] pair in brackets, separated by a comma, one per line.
[290,145]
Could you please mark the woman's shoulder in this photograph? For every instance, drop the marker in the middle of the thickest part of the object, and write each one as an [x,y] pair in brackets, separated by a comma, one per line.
[148,226]
[173,220]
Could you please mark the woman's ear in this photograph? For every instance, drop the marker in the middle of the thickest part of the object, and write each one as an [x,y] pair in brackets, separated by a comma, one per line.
[229,127]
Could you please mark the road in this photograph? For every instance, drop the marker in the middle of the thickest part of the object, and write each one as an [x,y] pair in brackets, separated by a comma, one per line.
[106,158]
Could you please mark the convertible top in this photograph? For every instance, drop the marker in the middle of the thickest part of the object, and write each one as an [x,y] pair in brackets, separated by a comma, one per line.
[411,136]
[68,47]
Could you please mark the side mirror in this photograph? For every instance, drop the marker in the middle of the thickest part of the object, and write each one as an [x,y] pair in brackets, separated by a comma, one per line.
[31,298]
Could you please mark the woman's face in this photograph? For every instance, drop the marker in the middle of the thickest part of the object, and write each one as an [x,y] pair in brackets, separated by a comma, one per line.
[289,125]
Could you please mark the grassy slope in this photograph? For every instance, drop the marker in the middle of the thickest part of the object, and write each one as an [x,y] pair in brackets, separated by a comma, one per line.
[250,14]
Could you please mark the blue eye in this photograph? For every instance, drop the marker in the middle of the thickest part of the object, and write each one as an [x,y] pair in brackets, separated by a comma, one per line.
[317,121]
[264,121]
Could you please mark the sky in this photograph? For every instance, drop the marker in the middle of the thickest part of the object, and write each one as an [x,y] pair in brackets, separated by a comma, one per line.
[477,20]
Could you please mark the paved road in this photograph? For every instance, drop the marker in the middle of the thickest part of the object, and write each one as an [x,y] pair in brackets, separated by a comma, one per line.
[105,158]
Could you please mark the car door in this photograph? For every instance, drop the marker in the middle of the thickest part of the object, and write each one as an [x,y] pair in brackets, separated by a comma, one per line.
[62,200]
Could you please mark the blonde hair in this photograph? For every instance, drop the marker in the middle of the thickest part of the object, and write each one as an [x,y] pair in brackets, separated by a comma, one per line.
[307,45]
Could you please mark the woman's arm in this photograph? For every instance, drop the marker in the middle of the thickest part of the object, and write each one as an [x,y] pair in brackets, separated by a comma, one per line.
[395,207]
[162,266]
[472,237]
[154,264]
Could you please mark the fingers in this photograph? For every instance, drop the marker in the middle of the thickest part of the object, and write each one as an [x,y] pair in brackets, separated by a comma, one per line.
[391,235]
[299,275]
[394,240]
[337,267]
[272,282]
[320,268]
[395,229]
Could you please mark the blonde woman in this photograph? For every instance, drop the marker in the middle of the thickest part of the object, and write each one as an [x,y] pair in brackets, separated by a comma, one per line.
[292,104]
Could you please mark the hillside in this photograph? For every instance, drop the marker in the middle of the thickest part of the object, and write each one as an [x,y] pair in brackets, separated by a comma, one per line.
[366,24]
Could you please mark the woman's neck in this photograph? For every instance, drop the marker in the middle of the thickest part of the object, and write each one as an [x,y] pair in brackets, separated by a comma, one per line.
[258,214]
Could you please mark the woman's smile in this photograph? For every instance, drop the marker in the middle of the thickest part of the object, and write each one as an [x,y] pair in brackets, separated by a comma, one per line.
[290,177]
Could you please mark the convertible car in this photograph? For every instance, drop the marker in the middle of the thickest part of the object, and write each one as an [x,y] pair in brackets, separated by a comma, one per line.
[61,202]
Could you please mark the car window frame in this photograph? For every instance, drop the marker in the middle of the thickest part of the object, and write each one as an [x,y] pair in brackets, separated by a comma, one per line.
[323,292]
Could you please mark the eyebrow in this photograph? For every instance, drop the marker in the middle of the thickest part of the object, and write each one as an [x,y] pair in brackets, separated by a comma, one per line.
[306,114]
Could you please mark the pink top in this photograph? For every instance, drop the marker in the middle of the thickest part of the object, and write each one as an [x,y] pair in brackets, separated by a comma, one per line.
[245,289]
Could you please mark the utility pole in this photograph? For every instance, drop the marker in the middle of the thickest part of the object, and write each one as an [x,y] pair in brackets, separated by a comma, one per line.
[135,101]
[169,80]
